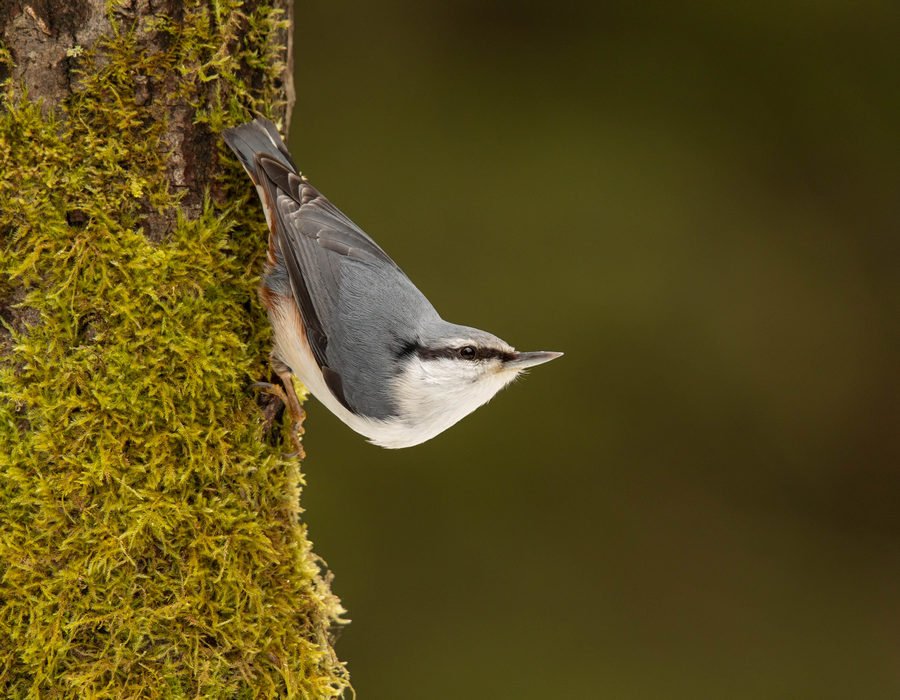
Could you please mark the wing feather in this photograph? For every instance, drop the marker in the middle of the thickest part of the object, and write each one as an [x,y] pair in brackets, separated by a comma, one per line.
[317,243]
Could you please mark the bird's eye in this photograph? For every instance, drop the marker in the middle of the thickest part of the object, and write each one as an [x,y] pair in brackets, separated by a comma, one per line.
[467,352]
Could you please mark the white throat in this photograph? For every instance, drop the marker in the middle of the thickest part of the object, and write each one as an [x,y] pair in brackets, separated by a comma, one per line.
[434,394]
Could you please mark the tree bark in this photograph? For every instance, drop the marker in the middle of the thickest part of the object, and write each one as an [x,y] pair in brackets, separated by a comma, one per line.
[150,540]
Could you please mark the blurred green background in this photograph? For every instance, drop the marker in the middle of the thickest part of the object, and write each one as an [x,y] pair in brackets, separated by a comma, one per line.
[699,203]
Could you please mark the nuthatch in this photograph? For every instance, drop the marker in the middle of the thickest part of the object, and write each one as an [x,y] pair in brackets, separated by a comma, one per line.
[349,323]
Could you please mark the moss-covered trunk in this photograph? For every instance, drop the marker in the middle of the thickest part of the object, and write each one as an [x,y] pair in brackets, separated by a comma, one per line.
[150,541]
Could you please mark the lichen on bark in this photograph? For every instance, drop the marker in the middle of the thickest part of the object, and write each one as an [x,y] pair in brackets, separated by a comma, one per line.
[150,538]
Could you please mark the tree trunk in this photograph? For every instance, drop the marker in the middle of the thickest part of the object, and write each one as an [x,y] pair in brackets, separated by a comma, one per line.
[150,541]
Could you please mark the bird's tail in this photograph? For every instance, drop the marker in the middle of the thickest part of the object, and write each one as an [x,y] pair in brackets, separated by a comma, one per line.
[255,138]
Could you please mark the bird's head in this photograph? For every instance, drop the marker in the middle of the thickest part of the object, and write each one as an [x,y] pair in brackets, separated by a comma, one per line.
[447,373]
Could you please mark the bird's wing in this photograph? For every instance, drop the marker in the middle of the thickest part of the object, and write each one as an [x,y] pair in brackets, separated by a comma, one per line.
[319,245]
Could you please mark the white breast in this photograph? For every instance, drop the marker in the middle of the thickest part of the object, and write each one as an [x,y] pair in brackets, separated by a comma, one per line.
[436,394]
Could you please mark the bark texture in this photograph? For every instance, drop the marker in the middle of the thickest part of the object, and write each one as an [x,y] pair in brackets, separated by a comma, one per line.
[46,38]
[150,539]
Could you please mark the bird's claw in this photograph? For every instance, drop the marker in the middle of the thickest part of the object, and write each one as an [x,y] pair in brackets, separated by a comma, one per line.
[287,396]
[271,390]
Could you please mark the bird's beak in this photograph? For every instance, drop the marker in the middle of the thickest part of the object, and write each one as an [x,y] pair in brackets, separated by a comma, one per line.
[524,360]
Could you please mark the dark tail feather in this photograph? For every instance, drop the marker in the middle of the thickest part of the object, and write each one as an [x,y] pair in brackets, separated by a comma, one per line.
[257,137]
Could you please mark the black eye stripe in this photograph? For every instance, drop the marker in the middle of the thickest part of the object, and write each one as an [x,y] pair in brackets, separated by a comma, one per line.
[436,353]
[406,348]
[455,353]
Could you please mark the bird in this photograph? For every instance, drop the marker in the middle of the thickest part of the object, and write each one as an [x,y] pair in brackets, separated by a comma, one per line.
[349,323]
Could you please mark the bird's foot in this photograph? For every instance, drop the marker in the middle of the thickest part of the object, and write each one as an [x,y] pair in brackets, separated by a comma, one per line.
[284,397]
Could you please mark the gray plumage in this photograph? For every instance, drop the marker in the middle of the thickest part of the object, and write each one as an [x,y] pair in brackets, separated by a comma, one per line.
[360,311]
[259,136]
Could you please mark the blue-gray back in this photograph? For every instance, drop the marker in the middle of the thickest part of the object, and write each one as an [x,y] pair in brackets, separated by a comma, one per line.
[362,313]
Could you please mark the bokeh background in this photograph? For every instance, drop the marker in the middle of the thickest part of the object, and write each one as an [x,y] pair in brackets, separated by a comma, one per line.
[699,203]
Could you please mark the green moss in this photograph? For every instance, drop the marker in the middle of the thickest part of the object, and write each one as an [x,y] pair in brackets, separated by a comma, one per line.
[150,541]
